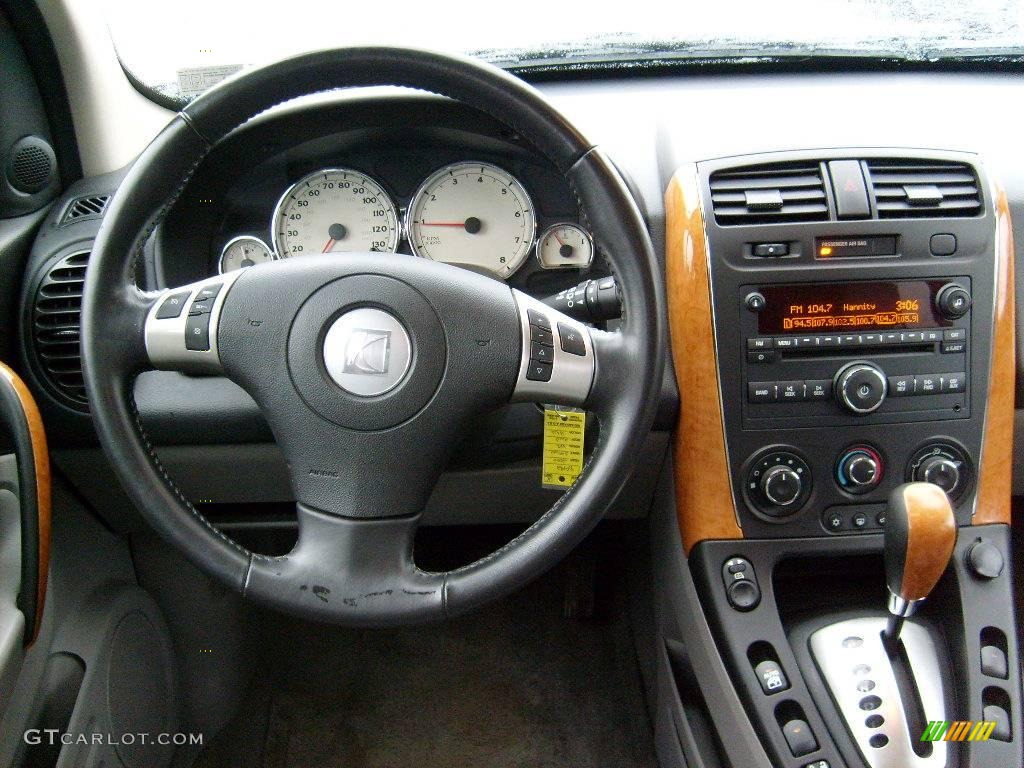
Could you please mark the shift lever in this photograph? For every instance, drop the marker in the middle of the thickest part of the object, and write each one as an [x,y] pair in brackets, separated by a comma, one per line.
[920,533]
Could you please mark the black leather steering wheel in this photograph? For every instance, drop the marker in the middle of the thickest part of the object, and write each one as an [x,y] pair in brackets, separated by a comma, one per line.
[363,465]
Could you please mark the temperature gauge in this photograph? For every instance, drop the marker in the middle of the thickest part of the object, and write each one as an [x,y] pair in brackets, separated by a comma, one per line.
[242,252]
[565,245]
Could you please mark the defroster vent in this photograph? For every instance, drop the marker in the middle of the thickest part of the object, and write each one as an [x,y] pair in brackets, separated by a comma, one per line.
[56,320]
[905,189]
[769,194]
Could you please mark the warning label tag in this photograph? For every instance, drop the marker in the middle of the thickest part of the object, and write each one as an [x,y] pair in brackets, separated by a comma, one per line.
[563,447]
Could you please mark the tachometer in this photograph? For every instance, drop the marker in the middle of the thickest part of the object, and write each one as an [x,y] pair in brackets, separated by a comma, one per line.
[333,211]
[474,215]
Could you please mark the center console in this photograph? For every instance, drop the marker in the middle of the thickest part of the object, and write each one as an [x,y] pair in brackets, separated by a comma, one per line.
[842,324]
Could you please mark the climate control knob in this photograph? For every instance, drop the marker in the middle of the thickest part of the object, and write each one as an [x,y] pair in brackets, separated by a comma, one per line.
[859,469]
[861,387]
[944,464]
[940,470]
[781,486]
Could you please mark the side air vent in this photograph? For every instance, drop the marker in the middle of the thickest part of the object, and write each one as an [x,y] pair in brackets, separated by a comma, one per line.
[81,208]
[769,194]
[55,327]
[906,189]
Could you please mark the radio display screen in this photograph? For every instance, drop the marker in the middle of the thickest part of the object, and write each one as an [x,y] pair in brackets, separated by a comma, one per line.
[848,307]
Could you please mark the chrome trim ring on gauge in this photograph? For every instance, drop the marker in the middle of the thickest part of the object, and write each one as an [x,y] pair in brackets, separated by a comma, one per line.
[377,228]
[586,239]
[498,257]
[266,249]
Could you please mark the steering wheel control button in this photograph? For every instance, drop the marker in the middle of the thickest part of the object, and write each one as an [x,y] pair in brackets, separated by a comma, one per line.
[201,307]
[197,333]
[209,292]
[771,677]
[541,336]
[539,371]
[367,352]
[541,353]
[861,387]
[859,469]
[799,738]
[741,589]
[571,340]
[172,305]
[778,483]
[538,319]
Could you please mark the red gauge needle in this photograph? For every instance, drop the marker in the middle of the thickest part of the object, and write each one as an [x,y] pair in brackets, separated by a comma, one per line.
[560,240]
[330,244]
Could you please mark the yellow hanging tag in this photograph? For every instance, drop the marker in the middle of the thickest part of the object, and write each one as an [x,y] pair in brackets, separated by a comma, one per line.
[563,447]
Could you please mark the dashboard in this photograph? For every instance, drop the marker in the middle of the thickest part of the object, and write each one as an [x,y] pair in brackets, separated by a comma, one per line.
[456,188]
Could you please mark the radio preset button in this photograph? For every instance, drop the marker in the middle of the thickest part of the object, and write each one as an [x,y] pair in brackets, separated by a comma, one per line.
[911,337]
[870,339]
[892,337]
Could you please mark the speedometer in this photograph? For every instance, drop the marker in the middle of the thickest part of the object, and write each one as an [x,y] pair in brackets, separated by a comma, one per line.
[474,215]
[333,211]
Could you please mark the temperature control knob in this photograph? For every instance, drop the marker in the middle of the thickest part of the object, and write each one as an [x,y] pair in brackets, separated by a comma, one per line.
[859,469]
[944,464]
[861,387]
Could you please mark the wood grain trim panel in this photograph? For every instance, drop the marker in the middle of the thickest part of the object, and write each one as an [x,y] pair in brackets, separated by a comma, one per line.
[704,500]
[995,473]
[41,458]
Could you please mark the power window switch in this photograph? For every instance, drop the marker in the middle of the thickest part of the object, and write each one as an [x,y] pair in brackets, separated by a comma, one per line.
[771,677]
[799,737]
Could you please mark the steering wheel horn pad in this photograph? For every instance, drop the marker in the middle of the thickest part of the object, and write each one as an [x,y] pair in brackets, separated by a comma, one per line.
[363,466]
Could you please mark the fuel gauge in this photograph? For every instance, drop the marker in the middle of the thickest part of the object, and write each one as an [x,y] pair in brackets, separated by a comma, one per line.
[244,251]
[565,245]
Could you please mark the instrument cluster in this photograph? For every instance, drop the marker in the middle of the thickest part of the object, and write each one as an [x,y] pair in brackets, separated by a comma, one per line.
[474,215]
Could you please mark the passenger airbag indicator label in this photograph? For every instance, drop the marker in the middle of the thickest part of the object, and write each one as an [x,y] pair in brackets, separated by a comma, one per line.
[563,447]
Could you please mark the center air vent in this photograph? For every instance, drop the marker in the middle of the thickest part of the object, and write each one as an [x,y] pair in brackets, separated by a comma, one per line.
[56,319]
[907,189]
[769,194]
[82,208]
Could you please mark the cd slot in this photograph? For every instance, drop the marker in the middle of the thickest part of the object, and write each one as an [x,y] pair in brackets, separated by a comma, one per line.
[805,352]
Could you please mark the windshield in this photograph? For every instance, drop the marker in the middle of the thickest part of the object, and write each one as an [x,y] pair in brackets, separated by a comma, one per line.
[180,48]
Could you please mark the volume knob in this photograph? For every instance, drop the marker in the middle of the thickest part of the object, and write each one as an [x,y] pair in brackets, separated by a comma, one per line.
[861,387]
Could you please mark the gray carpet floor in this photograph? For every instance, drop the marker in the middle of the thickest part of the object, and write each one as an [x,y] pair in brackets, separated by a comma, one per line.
[510,686]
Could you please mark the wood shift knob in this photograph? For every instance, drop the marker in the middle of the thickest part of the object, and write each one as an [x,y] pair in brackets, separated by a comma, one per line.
[920,533]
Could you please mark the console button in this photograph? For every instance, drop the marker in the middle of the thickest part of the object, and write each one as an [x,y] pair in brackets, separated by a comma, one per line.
[986,562]
[771,677]
[911,337]
[928,384]
[743,595]
[828,341]
[771,249]
[791,391]
[998,715]
[538,371]
[785,342]
[901,386]
[954,334]
[818,764]
[762,342]
[851,195]
[942,245]
[761,356]
[818,390]
[761,391]
[571,340]
[172,305]
[870,339]
[892,337]
[832,521]
[953,301]
[933,336]
[859,521]
[953,347]
[993,662]
[197,333]
[861,387]
[954,382]
[781,485]
[799,738]
[754,301]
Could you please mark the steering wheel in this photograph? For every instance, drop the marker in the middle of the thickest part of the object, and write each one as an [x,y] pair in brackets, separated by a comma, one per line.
[368,367]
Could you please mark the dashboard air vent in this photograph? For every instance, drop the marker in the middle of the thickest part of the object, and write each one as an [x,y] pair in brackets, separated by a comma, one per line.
[90,207]
[906,189]
[55,326]
[769,194]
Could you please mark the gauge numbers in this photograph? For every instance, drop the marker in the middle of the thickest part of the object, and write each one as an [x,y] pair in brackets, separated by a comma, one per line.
[565,245]
[335,210]
[473,215]
[241,252]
